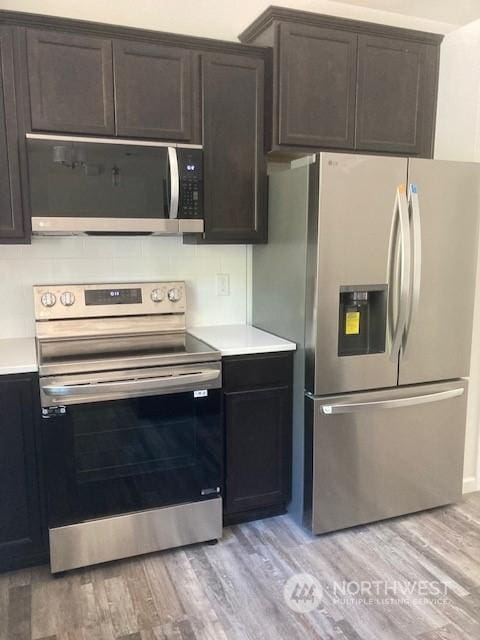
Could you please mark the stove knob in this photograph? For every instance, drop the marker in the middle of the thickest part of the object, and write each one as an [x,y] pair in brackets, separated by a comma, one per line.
[174,294]
[67,298]
[157,295]
[48,299]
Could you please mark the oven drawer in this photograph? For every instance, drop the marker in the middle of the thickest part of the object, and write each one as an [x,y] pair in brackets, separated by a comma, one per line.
[257,370]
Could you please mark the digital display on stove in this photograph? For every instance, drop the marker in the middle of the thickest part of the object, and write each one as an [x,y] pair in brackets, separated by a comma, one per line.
[113,296]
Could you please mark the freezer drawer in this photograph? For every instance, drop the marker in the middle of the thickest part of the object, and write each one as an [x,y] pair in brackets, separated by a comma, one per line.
[381,454]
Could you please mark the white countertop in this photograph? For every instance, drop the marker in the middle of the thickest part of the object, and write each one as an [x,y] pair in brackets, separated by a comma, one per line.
[240,339]
[17,355]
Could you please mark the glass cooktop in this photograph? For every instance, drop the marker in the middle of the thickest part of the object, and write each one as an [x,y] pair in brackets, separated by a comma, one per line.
[99,354]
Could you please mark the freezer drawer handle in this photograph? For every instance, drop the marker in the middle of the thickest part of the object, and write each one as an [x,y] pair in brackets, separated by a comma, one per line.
[353,407]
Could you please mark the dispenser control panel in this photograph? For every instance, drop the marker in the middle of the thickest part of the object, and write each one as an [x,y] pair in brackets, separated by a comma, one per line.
[362,319]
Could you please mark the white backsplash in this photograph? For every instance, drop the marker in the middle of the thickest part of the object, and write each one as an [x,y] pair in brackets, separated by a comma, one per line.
[83,260]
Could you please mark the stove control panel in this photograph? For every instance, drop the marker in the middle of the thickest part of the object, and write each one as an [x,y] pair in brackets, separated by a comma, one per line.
[57,302]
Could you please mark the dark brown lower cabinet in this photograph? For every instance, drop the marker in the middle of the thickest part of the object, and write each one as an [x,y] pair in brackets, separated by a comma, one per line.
[258,426]
[22,531]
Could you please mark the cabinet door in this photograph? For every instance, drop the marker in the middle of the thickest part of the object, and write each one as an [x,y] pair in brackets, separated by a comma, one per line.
[396,95]
[257,463]
[234,163]
[20,513]
[316,86]
[11,214]
[71,82]
[153,90]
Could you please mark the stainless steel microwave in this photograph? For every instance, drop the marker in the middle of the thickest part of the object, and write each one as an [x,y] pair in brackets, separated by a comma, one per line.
[101,186]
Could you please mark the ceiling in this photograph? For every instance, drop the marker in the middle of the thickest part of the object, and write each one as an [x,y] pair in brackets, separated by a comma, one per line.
[455,12]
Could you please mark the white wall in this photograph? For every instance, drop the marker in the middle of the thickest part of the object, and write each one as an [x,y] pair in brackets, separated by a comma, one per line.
[223,19]
[70,260]
[458,138]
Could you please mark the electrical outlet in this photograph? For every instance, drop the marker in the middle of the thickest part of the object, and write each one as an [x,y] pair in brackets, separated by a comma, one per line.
[223,284]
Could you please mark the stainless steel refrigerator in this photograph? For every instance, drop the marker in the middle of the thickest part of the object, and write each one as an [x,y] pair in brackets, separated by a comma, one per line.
[370,268]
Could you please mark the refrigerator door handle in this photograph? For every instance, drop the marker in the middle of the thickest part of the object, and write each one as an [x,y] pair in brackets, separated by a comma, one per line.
[400,214]
[414,209]
[396,403]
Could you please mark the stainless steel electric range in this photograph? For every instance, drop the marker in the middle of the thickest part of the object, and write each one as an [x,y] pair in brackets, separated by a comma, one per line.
[131,422]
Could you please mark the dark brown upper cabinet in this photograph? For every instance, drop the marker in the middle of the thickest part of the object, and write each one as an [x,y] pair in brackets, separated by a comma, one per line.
[11,214]
[234,163]
[154,91]
[347,85]
[316,86]
[396,94]
[71,82]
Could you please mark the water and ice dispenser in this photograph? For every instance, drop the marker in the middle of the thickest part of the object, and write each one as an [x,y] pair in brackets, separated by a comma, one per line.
[362,319]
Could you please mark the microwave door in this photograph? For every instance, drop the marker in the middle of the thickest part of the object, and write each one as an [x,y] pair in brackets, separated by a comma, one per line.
[92,186]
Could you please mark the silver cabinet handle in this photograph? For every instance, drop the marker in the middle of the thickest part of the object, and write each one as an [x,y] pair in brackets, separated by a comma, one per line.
[400,217]
[414,207]
[174,182]
[353,407]
[128,386]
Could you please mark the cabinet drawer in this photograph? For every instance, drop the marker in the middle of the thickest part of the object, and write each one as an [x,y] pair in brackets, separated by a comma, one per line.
[253,371]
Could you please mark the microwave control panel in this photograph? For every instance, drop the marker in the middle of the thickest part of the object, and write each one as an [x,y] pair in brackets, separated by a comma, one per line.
[190,167]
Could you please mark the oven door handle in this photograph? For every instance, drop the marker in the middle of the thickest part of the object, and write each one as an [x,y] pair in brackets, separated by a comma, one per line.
[132,386]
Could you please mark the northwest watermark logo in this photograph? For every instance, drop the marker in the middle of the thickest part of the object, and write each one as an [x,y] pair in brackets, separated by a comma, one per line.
[382,592]
[303,593]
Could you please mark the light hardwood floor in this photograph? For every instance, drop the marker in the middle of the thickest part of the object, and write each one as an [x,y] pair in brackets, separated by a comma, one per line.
[234,590]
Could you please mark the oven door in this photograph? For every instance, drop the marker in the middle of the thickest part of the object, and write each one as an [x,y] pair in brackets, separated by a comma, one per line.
[131,443]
